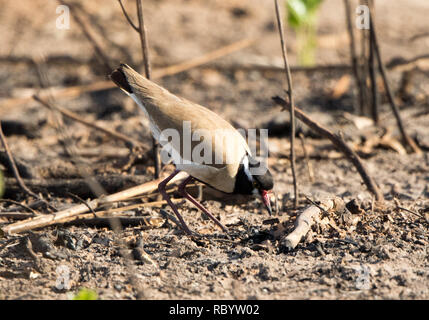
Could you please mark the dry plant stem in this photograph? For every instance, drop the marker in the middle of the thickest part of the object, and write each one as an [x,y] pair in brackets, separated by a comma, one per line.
[407,140]
[49,219]
[143,39]
[204,59]
[373,74]
[291,100]
[131,23]
[16,172]
[147,67]
[340,145]
[71,115]
[353,54]
[364,66]
[373,78]
[34,213]
[77,186]
[307,218]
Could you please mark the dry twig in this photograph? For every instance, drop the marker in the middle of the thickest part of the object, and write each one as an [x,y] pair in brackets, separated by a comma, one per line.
[71,115]
[340,145]
[49,219]
[353,55]
[373,79]
[406,138]
[291,101]
[34,213]
[307,218]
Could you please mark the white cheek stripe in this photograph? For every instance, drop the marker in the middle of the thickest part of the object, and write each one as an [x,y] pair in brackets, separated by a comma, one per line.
[255,191]
[246,168]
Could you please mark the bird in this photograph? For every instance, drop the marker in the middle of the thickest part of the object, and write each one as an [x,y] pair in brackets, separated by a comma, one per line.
[226,164]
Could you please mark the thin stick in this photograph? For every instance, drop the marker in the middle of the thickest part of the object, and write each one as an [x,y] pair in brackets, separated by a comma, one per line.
[373,78]
[407,140]
[364,66]
[372,73]
[204,59]
[143,39]
[34,212]
[353,54]
[82,201]
[16,172]
[147,67]
[71,115]
[292,104]
[131,23]
[398,206]
[49,219]
[340,145]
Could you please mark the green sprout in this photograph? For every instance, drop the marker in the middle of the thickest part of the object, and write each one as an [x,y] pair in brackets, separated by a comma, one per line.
[85,294]
[301,17]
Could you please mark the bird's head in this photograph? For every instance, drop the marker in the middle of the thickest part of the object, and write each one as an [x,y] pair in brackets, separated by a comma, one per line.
[250,181]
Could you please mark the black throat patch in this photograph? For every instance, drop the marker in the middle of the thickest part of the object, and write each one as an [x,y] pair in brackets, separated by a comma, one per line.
[242,183]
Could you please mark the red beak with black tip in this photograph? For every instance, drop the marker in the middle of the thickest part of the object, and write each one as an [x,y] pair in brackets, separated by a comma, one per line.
[266,200]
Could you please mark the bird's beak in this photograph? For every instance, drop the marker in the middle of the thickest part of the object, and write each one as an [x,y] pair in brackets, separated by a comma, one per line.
[266,200]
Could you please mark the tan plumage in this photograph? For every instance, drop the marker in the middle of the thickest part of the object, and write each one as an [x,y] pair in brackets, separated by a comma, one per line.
[167,111]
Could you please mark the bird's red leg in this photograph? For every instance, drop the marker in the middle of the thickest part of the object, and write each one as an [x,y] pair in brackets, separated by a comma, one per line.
[182,190]
[161,188]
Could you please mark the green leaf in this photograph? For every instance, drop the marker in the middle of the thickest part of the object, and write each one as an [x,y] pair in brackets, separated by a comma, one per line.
[297,12]
[312,5]
[301,12]
[85,294]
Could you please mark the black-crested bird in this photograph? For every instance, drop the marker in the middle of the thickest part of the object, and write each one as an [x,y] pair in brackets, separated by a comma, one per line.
[227,163]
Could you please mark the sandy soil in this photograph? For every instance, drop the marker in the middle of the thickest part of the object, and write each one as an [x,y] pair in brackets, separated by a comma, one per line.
[379,253]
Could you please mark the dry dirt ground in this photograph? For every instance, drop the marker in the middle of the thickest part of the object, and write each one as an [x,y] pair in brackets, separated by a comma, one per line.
[379,253]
